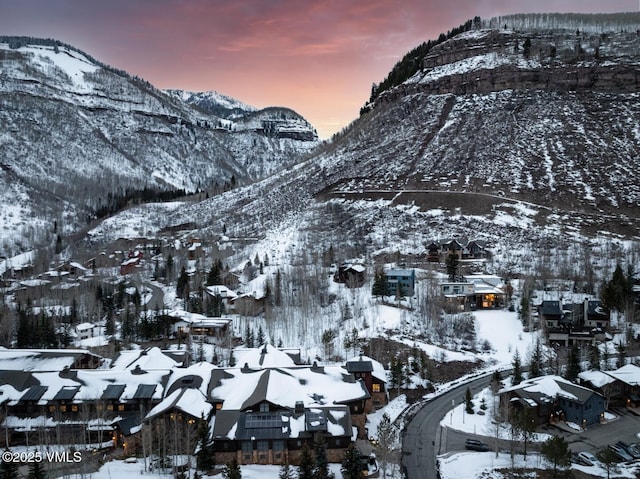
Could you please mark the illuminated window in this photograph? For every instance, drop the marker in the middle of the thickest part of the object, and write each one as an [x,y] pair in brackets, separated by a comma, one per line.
[63,408]
[218,406]
[120,407]
[109,407]
[376,388]
[52,408]
[74,408]
[99,407]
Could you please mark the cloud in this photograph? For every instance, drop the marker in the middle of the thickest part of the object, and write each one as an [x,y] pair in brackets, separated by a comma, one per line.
[319,57]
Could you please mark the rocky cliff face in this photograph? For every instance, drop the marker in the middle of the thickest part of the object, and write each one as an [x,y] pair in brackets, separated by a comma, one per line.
[494,60]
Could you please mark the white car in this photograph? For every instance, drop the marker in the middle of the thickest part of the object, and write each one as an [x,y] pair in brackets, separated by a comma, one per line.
[588,459]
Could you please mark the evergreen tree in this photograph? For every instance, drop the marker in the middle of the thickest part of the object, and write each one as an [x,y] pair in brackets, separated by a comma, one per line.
[608,458]
[468,402]
[517,369]
[205,457]
[232,470]
[36,471]
[305,468]
[618,291]
[351,465]
[380,286]
[556,451]
[573,365]
[595,358]
[387,438]
[452,264]
[214,276]
[249,339]
[169,268]
[321,466]
[523,422]
[277,290]
[286,472]
[621,350]
[535,366]
[260,338]
[182,286]
[526,48]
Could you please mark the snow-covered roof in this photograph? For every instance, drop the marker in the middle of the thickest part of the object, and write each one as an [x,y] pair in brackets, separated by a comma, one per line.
[596,378]
[188,317]
[189,401]
[629,374]
[266,356]
[378,371]
[146,359]
[548,388]
[32,283]
[77,265]
[83,385]
[40,359]
[84,326]
[196,376]
[316,386]
[220,290]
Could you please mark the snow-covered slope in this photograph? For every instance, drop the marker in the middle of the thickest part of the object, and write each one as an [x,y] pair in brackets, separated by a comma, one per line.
[535,154]
[77,136]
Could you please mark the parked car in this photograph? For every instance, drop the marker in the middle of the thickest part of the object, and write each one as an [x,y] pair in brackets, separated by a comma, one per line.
[634,449]
[588,459]
[621,453]
[476,445]
[630,450]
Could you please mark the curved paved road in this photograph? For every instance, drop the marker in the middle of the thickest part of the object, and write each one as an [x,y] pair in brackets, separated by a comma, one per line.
[423,439]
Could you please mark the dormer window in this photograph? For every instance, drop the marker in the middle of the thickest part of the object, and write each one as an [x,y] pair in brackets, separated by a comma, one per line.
[264,407]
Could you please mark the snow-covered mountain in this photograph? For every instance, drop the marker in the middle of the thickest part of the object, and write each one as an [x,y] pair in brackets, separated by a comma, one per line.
[214,103]
[518,137]
[79,137]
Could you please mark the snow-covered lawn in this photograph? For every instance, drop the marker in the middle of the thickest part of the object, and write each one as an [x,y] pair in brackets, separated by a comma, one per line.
[122,469]
[503,329]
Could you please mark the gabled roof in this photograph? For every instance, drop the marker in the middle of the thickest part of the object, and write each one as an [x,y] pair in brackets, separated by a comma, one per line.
[188,401]
[597,379]
[546,389]
[42,359]
[265,356]
[628,374]
[220,290]
[377,370]
[149,359]
[284,387]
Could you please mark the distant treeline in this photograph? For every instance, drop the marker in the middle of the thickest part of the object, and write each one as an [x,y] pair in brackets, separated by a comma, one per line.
[583,22]
[116,202]
[411,63]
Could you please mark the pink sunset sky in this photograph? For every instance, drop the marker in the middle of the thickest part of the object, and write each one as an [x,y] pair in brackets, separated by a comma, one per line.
[319,58]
